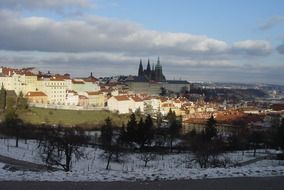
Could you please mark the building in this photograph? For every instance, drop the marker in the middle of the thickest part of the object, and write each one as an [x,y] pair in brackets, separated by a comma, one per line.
[137,103]
[37,97]
[120,104]
[72,98]
[96,99]
[140,86]
[55,88]
[177,85]
[154,74]
[83,101]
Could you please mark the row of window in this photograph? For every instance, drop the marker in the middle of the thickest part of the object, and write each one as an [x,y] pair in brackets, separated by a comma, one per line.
[57,87]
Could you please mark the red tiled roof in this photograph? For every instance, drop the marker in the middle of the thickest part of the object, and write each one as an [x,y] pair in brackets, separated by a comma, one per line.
[121,98]
[196,121]
[94,93]
[136,99]
[77,82]
[168,105]
[83,97]
[29,94]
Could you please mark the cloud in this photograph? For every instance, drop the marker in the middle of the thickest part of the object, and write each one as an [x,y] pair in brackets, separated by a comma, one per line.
[111,64]
[111,47]
[272,22]
[50,5]
[280,49]
[252,47]
[100,34]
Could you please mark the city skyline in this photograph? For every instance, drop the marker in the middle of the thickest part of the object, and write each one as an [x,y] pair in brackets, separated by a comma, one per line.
[226,41]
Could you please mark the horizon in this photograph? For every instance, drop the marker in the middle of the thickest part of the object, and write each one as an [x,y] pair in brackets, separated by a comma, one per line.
[228,41]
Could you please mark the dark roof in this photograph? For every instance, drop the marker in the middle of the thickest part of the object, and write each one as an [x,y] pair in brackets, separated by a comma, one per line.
[177,82]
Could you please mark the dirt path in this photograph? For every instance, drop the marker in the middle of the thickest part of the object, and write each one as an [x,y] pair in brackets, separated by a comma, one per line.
[14,165]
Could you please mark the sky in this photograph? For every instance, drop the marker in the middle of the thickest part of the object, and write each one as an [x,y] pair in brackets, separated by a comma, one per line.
[196,40]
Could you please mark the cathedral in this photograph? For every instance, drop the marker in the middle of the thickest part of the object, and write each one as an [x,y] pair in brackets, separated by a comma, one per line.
[154,74]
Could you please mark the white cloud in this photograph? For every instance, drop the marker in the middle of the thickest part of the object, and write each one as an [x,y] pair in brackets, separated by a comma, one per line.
[109,46]
[88,34]
[253,47]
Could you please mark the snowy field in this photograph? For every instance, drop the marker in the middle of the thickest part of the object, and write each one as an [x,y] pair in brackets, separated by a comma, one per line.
[163,167]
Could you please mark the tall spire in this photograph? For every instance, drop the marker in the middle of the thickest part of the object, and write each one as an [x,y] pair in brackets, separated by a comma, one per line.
[148,65]
[140,71]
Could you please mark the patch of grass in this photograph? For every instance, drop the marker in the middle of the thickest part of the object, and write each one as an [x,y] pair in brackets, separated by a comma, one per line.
[71,117]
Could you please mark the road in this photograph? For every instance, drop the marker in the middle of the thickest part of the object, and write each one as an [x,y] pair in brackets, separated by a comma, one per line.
[267,183]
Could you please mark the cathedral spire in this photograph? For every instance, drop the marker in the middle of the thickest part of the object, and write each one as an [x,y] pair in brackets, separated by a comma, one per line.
[158,61]
[140,71]
[148,66]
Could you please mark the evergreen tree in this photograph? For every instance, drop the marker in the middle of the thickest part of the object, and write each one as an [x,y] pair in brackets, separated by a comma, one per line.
[107,138]
[2,98]
[107,134]
[281,135]
[122,135]
[132,129]
[13,123]
[159,120]
[210,129]
[22,102]
[174,127]
[145,132]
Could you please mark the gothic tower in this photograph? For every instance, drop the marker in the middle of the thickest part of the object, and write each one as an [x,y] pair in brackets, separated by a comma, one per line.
[148,70]
[158,71]
[140,71]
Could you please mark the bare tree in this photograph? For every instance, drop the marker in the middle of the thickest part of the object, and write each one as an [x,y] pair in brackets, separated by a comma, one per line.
[59,145]
[146,157]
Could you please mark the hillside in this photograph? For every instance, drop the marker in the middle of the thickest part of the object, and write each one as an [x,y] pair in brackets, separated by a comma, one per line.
[70,117]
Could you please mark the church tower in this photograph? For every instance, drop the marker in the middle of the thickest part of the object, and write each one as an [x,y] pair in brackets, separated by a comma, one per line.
[158,71]
[140,71]
[153,72]
[148,70]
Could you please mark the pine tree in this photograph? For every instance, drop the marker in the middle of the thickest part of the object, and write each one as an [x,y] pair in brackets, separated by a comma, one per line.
[107,133]
[132,129]
[174,127]
[210,129]
[2,98]
[22,102]
[145,132]
[281,135]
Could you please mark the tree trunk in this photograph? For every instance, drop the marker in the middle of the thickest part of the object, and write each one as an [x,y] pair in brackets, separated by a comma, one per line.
[68,154]
[17,140]
[171,145]
[108,160]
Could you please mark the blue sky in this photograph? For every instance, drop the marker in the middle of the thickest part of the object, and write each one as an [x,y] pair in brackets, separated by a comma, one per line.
[197,40]
[222,19]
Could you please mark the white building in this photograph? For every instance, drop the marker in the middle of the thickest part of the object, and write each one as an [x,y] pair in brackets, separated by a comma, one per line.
[137,103]
[72,98]
[55,89]
[121,104]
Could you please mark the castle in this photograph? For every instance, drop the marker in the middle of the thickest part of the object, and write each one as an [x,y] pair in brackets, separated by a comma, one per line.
[154,74]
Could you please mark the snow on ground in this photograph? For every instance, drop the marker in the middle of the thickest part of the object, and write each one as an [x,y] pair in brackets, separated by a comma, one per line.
[164,167]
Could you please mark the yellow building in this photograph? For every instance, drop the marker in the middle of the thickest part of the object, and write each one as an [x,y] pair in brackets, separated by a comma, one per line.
[37,97]
[96,99]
